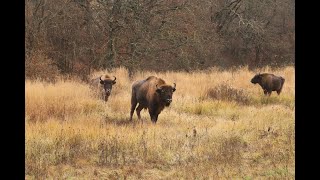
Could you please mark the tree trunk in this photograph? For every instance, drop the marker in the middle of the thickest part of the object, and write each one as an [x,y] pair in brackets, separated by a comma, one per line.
[112,53]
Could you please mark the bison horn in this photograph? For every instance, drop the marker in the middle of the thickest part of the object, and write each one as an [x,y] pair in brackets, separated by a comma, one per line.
[174,85]
[102,78]
[114,78]
[157,86]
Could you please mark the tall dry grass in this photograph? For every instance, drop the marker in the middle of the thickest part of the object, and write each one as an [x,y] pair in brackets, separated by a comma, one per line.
[218,126]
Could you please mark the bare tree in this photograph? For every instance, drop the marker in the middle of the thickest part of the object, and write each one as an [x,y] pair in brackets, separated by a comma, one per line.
[250,27]
[80,35]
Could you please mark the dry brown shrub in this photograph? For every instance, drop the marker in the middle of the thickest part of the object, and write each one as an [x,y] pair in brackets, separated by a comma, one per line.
[226,92]
[39,66]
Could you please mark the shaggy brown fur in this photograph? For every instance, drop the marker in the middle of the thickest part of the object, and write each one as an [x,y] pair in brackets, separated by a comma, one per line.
[269,82]
[103,84]
[152,94]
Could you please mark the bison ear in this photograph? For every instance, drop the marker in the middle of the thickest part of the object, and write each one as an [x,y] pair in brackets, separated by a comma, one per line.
[113,82]
[174,89]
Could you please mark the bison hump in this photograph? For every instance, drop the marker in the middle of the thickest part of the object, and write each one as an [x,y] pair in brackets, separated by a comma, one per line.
[156,80]
[151,77]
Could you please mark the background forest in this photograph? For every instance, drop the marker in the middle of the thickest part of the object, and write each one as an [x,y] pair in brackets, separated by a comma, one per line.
[77,37]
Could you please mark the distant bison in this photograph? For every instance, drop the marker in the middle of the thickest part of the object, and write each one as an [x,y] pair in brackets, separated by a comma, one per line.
[103,85]
[153,94]
[269,82]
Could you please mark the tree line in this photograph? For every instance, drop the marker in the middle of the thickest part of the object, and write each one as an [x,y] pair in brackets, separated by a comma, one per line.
[79,36]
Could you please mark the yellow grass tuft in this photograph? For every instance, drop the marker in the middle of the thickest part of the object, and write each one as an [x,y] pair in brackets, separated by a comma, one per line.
[219,126]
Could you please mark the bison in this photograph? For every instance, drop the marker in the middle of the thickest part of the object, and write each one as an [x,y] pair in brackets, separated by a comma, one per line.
[103,85]
[269,82]
[153,94]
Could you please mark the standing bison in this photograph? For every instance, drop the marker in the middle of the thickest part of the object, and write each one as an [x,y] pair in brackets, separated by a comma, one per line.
[153,94]
[103,85]
[269,82]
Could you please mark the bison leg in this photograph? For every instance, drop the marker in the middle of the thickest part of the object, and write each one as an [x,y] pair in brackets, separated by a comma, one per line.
[139,108]
[106,98]
[156,118]
[269,93]
[153,116]
[265,92]
[279,91]
[133,106]
[151,113]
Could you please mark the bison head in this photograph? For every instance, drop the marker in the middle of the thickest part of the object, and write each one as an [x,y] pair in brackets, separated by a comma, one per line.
[256,79]
[107,85]
[165,93]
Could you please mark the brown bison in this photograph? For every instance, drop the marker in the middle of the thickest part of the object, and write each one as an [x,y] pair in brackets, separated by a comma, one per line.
[103,85]
[153,94]
[269,82]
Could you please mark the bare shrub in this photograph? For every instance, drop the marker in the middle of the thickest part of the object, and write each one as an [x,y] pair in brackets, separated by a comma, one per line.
[39,66]
[228,93]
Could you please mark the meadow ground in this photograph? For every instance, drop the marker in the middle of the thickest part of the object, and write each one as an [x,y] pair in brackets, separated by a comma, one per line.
[219,126]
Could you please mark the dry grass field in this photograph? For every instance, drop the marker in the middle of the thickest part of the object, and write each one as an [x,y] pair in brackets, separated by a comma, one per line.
[219,126]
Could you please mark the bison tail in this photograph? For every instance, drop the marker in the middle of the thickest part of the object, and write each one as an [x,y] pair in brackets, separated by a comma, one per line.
[282,82]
